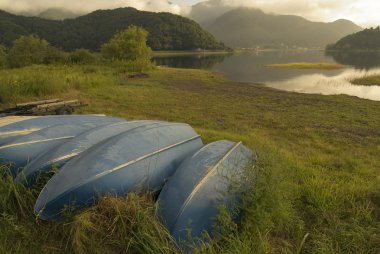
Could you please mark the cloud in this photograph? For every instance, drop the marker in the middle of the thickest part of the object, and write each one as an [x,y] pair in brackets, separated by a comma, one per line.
[36,6]
[364,12]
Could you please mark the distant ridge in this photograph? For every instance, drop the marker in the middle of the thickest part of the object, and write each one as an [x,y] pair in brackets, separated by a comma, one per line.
[248,27]
[166,31]
[57,14]
[368,39]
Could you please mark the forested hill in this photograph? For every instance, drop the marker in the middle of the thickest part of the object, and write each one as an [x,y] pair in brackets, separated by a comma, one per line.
[368,39]
[252,27]
[166,31]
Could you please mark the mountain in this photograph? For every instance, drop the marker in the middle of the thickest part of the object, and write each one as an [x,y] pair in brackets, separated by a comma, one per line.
[247,27]
[368,39]
[57,14]
[166,31]
[206,12]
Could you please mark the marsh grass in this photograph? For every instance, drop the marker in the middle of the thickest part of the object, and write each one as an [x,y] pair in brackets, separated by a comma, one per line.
[372,80]
[304,65]
[317,187]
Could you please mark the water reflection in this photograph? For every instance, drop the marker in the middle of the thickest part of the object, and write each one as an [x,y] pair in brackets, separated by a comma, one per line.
[251,67]
[196,61]
[339,84]
[361,60]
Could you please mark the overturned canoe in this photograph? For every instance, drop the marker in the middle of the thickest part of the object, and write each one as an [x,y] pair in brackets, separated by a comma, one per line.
[14,119]
[189,202]
[72,148]
[140,159]
[17,129]
[25,148]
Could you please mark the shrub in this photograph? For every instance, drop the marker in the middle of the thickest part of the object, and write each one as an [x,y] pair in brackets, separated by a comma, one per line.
[81,56]
[28,50]
[129,48]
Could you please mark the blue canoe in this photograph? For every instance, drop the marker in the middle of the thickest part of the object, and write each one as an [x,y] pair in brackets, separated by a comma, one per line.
[190,200]
[25,148]
[17,129]
[72,148]
[14,119]
[137,160]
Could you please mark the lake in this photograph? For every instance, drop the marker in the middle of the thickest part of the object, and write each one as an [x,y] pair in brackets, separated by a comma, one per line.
[251,67]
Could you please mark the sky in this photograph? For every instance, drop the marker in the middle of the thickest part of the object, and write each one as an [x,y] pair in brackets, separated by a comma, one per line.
[362,12]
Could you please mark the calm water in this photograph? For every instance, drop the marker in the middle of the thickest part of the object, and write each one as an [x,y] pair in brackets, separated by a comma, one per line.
[250,67]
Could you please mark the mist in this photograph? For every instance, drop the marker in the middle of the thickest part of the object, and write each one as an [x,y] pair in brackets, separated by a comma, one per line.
[36,6]
[362,12]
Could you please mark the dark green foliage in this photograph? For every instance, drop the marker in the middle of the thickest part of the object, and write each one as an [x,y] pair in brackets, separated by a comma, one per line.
[368,39]
[252,27]
[81,56]
[28,50]
[55,56]
[166,31]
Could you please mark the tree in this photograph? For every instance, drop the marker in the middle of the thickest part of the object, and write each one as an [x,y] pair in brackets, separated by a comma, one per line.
[28,50]
[3,56]
[129,44]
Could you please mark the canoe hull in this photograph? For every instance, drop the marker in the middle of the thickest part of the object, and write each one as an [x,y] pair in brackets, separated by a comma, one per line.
[12,131]
[74,147]
[26,148]
[137,160]
[200,186]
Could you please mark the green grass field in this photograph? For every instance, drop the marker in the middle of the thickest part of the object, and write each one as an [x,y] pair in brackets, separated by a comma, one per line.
[317,187]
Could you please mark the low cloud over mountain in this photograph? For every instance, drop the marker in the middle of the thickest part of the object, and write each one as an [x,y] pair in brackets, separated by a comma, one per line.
[37,6]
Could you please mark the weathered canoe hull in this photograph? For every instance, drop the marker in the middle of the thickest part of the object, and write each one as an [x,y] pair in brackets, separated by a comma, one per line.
[12,131]
[74,147]
[14,119]
[26,148]
[192,196]
[137,160]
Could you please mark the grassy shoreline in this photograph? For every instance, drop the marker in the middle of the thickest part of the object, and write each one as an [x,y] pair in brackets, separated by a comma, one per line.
[304,65]
[317,177]
[373,80]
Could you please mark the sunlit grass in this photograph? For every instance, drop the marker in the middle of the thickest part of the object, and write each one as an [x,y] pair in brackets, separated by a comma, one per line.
[373,80]
[317,188]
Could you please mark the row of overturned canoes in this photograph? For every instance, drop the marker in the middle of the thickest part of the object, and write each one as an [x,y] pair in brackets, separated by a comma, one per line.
[99,155]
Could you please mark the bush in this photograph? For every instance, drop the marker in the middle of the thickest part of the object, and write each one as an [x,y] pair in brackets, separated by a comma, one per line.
[129,47]
[81,56]
[28,50]
[55,56]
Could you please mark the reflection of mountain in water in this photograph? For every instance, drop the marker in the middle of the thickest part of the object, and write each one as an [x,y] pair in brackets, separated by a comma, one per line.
[191,61]
[360,60]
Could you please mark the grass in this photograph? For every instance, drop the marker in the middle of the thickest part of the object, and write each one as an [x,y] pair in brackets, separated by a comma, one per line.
[373,80]
[317,186]
[302,65]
